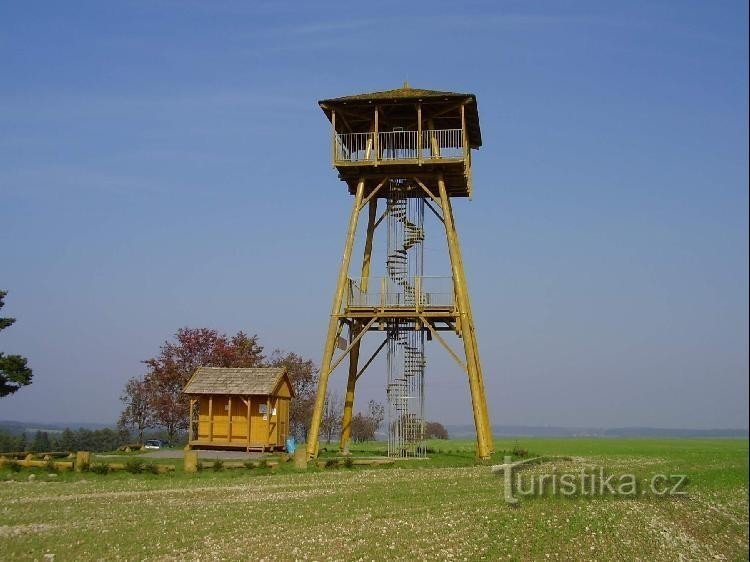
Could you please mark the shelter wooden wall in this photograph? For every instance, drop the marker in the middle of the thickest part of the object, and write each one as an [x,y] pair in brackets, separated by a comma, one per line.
[269,420]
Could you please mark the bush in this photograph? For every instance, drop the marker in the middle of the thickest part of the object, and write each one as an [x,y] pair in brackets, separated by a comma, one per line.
[52,467]
[332,463]
[218,465]
[263,463]
[349,462]
[99,468]
[14,466]
[518,451]
[435,430]
[134,465]
[152,467]
[250,465]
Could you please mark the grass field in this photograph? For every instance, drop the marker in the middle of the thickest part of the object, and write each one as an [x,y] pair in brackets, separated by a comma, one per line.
[446,508]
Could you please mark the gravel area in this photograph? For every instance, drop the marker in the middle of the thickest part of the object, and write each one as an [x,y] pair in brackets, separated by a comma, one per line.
[202,454]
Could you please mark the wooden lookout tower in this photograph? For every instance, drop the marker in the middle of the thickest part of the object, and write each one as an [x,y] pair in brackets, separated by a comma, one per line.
[403,150]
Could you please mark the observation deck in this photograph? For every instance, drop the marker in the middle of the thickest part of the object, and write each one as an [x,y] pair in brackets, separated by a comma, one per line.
[431,298]
[404,133]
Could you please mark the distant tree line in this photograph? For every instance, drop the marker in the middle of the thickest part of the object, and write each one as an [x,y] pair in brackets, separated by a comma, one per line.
[96,440]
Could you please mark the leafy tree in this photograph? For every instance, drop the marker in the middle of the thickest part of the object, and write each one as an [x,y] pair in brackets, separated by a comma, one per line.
[137,414]
[435,430]
[376,414]
[364,426]
[170,370]
[332,413]
[304,378]
[14,373]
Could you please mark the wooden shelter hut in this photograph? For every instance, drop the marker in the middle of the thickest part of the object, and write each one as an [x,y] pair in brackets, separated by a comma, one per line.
[239,408]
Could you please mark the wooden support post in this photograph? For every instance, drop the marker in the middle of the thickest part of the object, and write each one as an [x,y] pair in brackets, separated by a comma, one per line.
[434,144]
[466,149]
[476,384]
[277,424]
[334,138]
[354,353]
[268,419]
[464,142]
[248,402]
[377,139]
[419,133]
[417,294]
[229,419]
[211,418]
[325,364]
[191,461]
[191,433]
[83,461]
[300,459]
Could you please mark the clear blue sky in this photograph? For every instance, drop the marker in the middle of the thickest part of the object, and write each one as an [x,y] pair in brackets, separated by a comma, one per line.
[164,164]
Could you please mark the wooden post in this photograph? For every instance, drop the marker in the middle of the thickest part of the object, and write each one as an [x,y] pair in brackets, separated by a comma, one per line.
[249,401]
[83,461]
[191,461]
[417,293]
[268,419]
[229,420]
[276,424]
[211,417]
[191,435]
[354,353]
[476,384]
[300,459]
[377,140]
[434,144]
[419,133]
[467,149]
[333,324]
[334,139]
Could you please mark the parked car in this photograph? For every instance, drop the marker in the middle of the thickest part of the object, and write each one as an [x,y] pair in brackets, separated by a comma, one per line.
[152,444]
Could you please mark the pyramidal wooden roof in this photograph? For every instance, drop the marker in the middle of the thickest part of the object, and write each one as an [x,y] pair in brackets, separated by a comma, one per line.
[246,381]
[405,92]
[406,95]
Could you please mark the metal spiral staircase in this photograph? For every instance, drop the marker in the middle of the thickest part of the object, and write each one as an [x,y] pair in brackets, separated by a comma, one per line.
[404,393]
[405,390]
[397,262]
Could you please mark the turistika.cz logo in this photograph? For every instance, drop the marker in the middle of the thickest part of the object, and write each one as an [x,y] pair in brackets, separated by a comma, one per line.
[589,482]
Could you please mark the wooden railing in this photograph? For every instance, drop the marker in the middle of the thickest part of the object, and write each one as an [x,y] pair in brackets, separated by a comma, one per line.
[396,145]
[421,292]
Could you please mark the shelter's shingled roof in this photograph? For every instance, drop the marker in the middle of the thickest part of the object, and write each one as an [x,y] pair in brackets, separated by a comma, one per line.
[234,380]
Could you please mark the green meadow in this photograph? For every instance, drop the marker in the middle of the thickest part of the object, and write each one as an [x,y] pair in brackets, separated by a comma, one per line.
[448,507]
